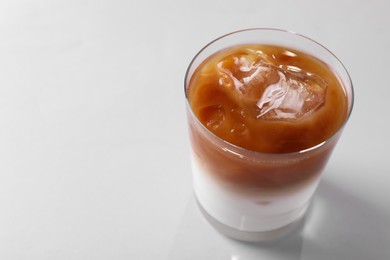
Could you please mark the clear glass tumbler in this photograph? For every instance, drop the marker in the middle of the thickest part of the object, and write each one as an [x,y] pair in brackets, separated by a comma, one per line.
[249,195]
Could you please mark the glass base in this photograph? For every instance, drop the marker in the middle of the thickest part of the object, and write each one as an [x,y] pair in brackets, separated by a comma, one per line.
[263,236]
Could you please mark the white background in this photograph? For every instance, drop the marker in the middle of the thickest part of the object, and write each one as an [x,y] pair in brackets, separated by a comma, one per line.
[94,153]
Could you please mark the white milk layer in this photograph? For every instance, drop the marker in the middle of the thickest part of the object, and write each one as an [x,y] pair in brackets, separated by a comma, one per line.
[253,213]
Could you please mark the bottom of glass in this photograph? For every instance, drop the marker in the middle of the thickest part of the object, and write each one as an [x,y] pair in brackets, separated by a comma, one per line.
[247,236]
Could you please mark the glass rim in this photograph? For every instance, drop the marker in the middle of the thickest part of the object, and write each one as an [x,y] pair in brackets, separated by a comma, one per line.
[350,104]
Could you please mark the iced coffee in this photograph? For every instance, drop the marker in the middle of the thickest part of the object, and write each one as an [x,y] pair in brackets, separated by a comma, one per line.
[263,120]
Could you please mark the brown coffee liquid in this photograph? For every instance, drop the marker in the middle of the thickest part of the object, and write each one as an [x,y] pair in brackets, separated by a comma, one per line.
[267,98]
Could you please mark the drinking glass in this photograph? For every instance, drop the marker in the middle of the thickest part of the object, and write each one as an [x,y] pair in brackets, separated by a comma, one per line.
[250,195]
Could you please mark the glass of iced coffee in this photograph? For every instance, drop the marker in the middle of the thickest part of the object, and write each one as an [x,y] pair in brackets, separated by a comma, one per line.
[265,109]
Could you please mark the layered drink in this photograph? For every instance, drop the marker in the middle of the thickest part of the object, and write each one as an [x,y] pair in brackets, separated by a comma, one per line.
[264,116]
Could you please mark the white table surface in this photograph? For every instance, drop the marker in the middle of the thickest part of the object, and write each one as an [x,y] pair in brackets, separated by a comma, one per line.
[93,138]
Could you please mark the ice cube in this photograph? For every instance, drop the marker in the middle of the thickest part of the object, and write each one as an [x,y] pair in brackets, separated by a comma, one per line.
[296,94]
[255,80]
[213,116]
[239,130]
[238,126]
[244,76]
